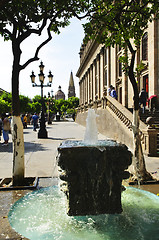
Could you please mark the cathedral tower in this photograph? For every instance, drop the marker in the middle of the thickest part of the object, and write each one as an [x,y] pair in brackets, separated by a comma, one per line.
[71,88]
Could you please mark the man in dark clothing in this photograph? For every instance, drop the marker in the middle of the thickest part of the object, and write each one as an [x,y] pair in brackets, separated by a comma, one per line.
[35,121]
[143,99]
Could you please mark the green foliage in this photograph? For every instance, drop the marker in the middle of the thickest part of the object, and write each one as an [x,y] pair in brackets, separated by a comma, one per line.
[63,106]
[121,23]
[21,19]
[25,17]
[116,22]
[4,106]
[36,98]
[5,102]
[24,101]
[35,107]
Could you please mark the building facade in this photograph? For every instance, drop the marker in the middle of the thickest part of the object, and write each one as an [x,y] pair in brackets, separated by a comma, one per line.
[100,68]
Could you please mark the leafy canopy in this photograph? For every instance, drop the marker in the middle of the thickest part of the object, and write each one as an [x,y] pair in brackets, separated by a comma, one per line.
[116,22]
[21,19]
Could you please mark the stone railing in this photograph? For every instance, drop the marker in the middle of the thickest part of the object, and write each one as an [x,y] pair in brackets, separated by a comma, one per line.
[148,134]
[121,112]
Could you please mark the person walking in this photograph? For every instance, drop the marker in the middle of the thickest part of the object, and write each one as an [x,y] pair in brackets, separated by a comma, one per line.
[1,125]
[143,99]
[25,121]
[35,121]
[6,129]
[113,93]
[109,90]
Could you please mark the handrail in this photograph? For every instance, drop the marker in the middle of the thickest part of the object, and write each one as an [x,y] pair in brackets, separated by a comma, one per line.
[122,113]
[148,135]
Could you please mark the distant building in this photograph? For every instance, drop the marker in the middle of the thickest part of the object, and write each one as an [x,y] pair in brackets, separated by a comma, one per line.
[71,88]
[59,94]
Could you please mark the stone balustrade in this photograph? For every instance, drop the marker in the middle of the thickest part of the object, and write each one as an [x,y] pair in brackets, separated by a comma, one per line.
[108,105]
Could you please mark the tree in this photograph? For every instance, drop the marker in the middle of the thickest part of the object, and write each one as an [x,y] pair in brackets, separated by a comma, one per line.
[5,102]
[24,104]
[123,23]
[18,21]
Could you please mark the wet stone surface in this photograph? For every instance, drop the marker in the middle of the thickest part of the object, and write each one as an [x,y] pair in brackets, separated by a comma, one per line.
[7,199]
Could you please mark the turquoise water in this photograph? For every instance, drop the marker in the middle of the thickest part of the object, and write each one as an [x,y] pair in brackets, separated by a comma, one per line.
[41,215]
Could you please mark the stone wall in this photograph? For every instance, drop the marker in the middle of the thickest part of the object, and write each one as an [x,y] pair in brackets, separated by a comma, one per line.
[110,126]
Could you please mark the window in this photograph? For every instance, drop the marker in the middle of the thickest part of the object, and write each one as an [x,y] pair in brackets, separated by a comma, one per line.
[120,69]
[145,47]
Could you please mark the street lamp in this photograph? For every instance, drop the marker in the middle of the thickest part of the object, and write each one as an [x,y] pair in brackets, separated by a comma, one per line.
[42,131]
[49,103]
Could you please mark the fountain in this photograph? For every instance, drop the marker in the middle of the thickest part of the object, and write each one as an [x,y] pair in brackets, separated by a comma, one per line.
[92,171]
[42,214]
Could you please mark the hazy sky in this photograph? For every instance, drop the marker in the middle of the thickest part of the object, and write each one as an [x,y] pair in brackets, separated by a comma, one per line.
[61,56]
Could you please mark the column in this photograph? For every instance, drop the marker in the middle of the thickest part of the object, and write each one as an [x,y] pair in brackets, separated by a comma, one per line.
[101,71]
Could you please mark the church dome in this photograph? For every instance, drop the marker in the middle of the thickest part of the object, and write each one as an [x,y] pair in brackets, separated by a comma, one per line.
[59,94]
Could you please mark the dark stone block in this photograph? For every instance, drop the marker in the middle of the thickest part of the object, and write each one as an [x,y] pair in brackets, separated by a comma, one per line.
[93,177]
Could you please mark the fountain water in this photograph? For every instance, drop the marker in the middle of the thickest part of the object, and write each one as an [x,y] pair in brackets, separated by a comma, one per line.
[91,133]
[42,214]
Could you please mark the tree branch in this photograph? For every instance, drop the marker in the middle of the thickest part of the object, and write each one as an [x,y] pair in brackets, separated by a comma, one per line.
[35,58]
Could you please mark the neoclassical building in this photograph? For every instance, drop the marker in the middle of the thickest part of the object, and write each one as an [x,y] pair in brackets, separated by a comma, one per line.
[100,68]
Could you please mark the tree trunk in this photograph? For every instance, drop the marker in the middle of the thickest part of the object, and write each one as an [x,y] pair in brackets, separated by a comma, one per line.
[138,157]
[17,128]
[18,151]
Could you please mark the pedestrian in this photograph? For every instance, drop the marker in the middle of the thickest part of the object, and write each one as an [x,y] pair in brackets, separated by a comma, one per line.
[113,93]
[152,102]
[35,121]
[6,129]
[73,116]
[109,90]
[25,121]
[143,99]
[1,124]
[22,118]
[28,118]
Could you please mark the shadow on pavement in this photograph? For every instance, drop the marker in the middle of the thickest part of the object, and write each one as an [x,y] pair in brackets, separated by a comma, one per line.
[28,147]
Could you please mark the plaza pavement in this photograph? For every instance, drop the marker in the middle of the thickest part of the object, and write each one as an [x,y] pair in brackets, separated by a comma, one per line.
[40,160]
[40,154]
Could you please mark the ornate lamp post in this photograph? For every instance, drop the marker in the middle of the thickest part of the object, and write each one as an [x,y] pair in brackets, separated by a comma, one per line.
[42,131]
[50,99]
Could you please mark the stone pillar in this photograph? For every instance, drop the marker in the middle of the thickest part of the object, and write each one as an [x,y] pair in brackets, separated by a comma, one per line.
[93,80]
[150,141]
[108,67]
[101,72]
[98,75]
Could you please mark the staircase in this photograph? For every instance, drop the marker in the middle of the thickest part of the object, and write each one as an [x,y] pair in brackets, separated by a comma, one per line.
[115,122]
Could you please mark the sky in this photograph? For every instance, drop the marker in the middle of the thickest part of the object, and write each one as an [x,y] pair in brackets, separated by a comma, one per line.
[60,55]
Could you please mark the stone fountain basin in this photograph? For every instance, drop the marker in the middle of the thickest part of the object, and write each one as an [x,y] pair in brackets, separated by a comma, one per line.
[93,175]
